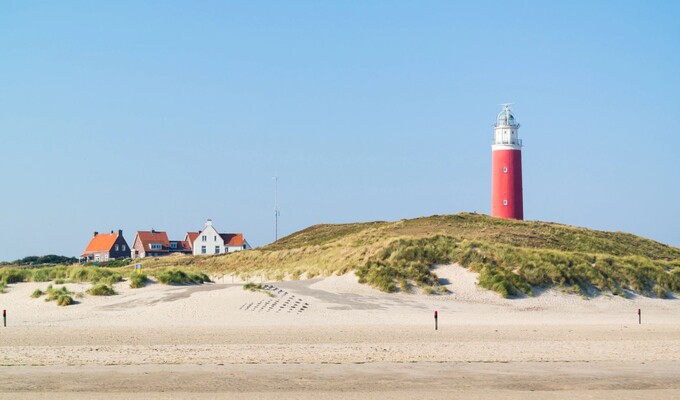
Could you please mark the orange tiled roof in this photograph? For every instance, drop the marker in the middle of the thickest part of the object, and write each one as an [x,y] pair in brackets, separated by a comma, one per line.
[232,239]
[101,242]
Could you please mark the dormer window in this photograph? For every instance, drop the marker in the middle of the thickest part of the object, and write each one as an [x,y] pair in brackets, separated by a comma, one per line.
[173,245]
[156,247]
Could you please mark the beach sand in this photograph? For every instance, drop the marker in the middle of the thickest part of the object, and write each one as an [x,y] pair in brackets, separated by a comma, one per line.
[333,338]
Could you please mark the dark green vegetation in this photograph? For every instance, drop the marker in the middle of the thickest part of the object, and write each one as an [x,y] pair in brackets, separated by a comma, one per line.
[180,277]
[138,280]
[512,257]
[41,260]
[101,289]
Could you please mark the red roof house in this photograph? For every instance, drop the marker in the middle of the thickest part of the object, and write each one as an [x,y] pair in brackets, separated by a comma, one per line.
[106,246]
[155,244]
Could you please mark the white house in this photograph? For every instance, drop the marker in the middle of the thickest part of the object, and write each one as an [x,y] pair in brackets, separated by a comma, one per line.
[209,241]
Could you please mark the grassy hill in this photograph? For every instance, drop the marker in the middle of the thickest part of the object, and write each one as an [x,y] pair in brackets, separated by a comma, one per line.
[512,257]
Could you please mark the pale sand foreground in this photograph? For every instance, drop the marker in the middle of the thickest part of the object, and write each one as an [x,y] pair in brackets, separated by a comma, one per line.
[334,338]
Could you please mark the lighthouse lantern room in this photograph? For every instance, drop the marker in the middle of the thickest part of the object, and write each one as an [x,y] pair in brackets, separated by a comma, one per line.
[506,167]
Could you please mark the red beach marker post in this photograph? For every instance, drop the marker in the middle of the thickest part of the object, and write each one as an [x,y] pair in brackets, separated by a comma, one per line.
[435,320]
[639,317]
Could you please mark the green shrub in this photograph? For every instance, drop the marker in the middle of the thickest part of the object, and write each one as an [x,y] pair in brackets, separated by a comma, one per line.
[59,281]
[54,294]
[179,277]
[101,289]
[64,300]
[138,280]
[37,293]
[2,287]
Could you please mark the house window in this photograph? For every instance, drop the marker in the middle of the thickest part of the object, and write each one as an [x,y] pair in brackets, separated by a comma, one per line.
[123,247]
[505,170]
[203,250]
[116,247]
[156,247]
[505,202]
[204,238]
[173,245]
[214,238]
[244,247]
[217,249]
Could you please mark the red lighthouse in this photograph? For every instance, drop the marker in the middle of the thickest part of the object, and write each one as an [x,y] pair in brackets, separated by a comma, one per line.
[506,168]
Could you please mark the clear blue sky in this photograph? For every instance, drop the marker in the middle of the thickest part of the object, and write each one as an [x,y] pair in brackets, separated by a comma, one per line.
[140,115]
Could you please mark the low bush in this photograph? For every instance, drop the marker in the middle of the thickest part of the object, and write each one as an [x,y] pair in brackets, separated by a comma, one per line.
[61,295]
[138,280]
[37,293]
[101,289]
[64,300]
[180,277]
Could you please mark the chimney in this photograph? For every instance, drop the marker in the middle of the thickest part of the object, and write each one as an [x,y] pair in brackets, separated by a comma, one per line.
[208,222]
[120,232]
[96,233]
[112,231]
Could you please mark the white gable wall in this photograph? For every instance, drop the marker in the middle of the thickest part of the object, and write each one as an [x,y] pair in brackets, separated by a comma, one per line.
[208,241]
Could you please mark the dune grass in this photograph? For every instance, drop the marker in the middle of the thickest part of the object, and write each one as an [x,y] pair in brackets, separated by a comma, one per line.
[257,287]
[62,296]
[101,289]
[515,271]
[181,277]
[138,280]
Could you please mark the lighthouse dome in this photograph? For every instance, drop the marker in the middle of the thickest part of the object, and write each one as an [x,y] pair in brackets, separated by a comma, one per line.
[506,118]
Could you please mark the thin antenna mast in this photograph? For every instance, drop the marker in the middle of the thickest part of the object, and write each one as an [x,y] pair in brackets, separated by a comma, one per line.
[277,212]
